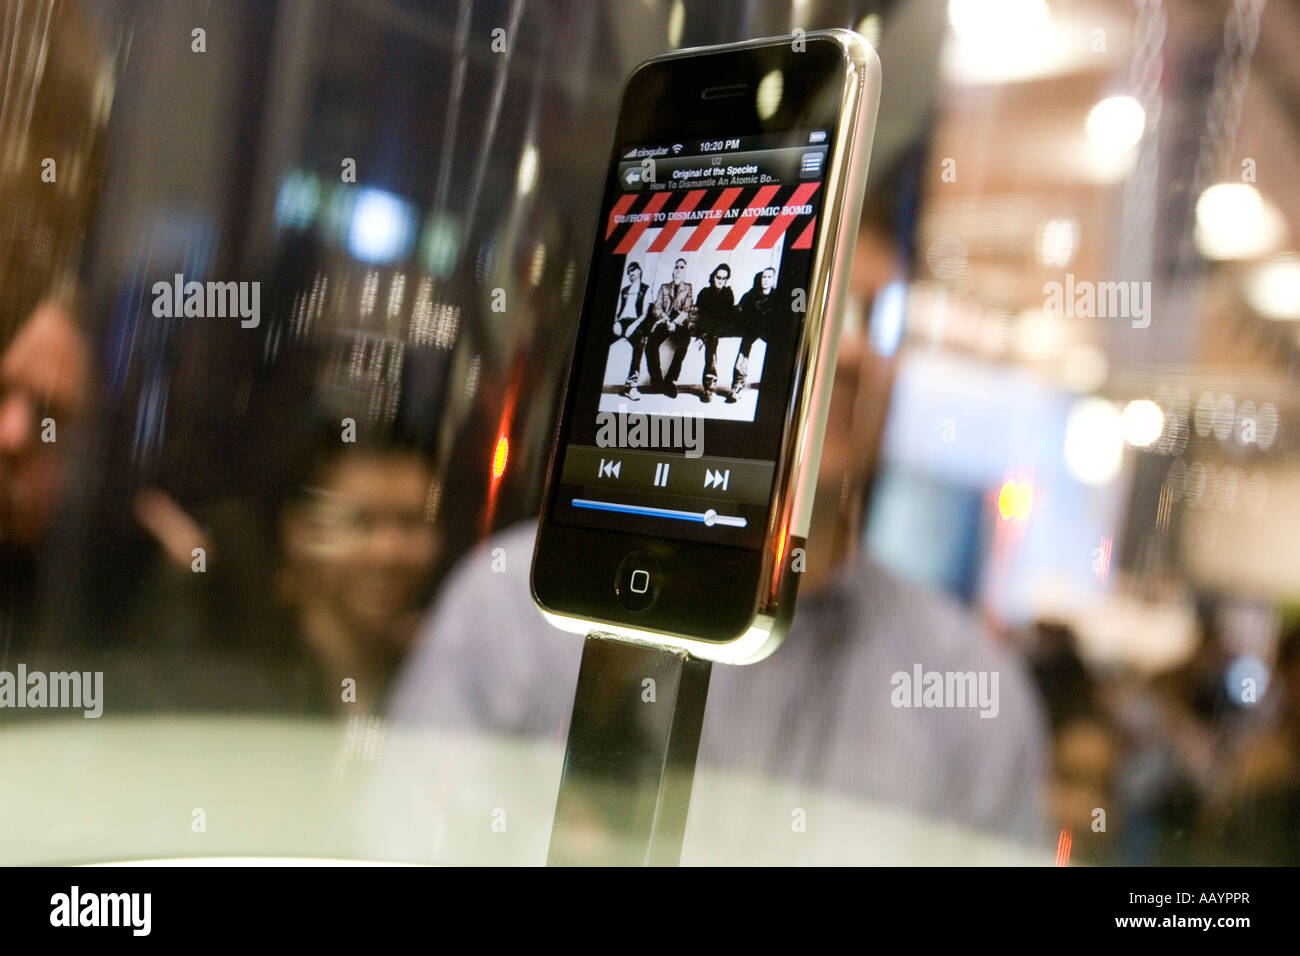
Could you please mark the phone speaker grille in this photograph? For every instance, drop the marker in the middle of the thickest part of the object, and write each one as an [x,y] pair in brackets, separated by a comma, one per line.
[725,92]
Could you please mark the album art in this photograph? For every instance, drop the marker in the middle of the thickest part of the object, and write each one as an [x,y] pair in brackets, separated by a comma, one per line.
[700,309]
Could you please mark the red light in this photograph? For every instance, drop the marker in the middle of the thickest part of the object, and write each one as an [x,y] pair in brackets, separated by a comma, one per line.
[499,457]
[1063,844]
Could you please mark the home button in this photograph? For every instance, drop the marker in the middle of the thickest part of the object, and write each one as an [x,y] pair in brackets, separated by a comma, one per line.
[638,580]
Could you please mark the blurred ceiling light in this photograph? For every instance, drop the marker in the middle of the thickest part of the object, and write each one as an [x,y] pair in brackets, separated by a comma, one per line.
[1094,441]
[1215,415]
[1266,427]
[381,226]
[527,176]
[538,267]
[369,292]
[1233,221]
[888,312]
[440,246]
[946,257]
[768,98]
[1225,416]
[471,389]
[1142,421]
[1057,243]
[570,276]
[1009,41]
[1203,417]
[1273,288]
[676,21]
[1001,22]
[1084,367]
[396,294]
[298,200]
[869,27]
[1038,336]
[1115,124]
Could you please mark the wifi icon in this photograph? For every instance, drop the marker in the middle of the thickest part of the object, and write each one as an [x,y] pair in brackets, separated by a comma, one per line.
[677,148]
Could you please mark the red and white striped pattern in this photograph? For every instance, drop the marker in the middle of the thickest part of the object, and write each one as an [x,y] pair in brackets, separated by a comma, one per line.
[736,208]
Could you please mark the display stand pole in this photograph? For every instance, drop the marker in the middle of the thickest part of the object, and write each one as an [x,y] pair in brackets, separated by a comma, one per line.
[630,758]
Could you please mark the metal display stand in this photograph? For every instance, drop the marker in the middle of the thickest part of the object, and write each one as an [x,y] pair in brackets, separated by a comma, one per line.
[630,757]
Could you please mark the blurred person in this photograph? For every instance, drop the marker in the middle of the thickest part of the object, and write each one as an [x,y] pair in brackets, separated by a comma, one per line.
[818,712]
[1085,745]
[357,554]
[44,385]
[1256,820]
[1085,752]
[1063,680]
[1161,779]
[44,391]
[55,95]
[1180,730]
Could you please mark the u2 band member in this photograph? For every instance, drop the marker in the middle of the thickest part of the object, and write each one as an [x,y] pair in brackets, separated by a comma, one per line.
[715,316]
[630,322]
[758,320]
[672,311]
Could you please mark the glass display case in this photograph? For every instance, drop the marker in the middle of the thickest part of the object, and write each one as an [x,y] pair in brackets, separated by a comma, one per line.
[288,292]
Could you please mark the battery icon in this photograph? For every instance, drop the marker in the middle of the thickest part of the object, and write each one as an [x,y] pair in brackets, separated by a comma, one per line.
[817,136]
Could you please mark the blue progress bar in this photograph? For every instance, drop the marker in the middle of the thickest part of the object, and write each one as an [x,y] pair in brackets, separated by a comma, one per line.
[709,517]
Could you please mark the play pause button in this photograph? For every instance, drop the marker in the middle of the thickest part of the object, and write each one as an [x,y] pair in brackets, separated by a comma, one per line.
[717,479]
